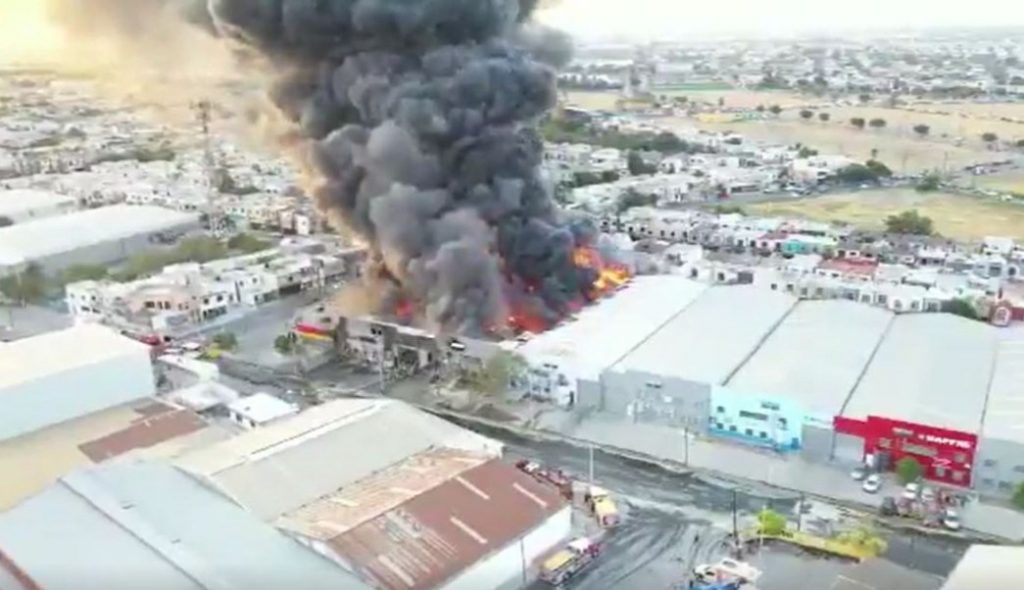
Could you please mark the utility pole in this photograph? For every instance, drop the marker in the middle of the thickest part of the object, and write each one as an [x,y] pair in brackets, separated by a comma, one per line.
[686,444]
[203,110]
[591,465]
[800,514]
[735,527]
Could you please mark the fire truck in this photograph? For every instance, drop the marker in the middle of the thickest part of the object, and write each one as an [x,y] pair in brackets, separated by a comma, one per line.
[570,561]
[555,477]
[600,502]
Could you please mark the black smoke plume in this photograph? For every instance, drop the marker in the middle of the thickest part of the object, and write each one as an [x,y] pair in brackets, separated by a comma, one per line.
[422,118]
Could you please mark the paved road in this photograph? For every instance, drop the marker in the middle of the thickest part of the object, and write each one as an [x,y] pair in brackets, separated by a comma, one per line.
[676,521]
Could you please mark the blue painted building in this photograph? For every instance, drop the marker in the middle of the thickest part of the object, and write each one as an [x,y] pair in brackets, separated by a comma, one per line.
[768,421]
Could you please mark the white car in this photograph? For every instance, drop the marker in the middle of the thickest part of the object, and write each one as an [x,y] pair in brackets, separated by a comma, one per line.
[951,520]
[859,473]
[912,490]
[927,494]
[872,483]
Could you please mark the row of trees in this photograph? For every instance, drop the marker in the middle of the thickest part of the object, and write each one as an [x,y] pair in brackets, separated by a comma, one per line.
[808,115]
[564,130]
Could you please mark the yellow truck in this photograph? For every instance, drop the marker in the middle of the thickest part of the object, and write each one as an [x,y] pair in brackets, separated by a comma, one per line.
[569,561]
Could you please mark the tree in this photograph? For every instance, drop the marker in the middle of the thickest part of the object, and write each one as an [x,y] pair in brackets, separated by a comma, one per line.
[247,243]
[27,286]
[909,223]
[806,152]
[824,117]
[1020,143]
[226,341]
[864,97]
[83,272]
[637,166]
[857,122]
[908,469]
[1018,496]
[930,183]
[634,198]
[5,221]
[775,109]
[962,308]
[806,114]
[495,378]
[865,537]
[989,137]
[285,343]
[770,522]
[879,169]
[856,174]
[760,108]
[877,123]
[922,130]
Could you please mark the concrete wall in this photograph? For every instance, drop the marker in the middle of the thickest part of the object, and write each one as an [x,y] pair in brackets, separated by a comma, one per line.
[998,466]
[68,394]
[847,448]
[757,419]
[656,399]
[504,569]
[816,443]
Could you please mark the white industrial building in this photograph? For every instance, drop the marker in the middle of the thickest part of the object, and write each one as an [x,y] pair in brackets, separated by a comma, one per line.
[95,236]
[999,467]
[58,376]
[20,205]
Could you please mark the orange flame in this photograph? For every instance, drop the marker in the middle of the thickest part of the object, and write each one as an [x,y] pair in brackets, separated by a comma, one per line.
[610,276]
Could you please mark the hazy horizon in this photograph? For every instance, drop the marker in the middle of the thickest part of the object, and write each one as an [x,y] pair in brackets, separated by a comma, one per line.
[671,19]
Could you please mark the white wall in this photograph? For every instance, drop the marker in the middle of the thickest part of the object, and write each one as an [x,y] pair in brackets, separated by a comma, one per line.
[504,568]
[66,395]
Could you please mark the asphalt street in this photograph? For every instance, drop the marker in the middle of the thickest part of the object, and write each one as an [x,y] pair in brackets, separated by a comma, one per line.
[673,522]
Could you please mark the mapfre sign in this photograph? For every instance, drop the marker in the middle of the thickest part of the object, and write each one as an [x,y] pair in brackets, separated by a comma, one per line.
[946,441]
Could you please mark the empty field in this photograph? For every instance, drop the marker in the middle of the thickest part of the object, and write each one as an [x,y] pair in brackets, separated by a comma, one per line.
[955,124]
[955,216]
[901,153]
[1011,182]
[736,99]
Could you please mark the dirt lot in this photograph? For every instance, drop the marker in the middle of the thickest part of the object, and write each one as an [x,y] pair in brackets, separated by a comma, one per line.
[954,216]
[903,154]
[1011,182]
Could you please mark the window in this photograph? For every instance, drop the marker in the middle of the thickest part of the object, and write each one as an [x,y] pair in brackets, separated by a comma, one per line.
[958,476]
[920,450]
[884,443]
[1019,468]
[732,428]
[719,426]
[763,434]
[720,410]
[1005,486]
[940,471]
[988,482]
[783,424]
[775,286]
[990,463]
[770,406]
[959,457]
[753,415]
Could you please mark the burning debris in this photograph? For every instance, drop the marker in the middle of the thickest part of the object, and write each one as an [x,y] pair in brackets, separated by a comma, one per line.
[421,120]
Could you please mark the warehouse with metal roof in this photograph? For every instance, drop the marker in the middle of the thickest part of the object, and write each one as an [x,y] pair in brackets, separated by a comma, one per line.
[1000,462]
[931,368]
[98,369]
[135,524]
[20,205]
[94,236]
[668,376]
[602,334]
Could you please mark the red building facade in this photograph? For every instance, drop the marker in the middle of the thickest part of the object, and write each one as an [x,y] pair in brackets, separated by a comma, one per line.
[946,455]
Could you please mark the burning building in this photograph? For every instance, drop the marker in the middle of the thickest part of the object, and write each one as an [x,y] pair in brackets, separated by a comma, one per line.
[419,120]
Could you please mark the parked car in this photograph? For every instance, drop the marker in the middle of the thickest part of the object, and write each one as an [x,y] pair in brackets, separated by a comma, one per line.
[928,494]
[859,473]
[904,507]
[872,483]
[951,520]
[912,490]
[889,507]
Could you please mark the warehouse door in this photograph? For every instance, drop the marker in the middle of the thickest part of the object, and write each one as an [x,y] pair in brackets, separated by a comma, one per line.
[848,449]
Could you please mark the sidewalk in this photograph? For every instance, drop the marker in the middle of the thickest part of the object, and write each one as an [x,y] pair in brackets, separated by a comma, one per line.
[745,463]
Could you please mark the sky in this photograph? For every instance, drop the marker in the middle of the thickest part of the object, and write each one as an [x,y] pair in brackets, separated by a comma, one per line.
[683,19]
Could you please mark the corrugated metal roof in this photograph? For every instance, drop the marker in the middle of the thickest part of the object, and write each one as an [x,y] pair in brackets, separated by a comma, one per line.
[988,567]
[931,368]
[1004,416]
[712,336]
[336,513]
[274,473]
[817,354]
[32,240]
[438,534]
[77,346]
[147,525]
[603,333]
[17,201]
[40,457]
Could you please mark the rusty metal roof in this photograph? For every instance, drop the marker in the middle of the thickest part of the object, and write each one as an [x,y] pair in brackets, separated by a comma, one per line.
[436,535]
[157,425]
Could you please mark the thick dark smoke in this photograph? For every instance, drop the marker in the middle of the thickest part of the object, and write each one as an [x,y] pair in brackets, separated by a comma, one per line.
[422,118]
